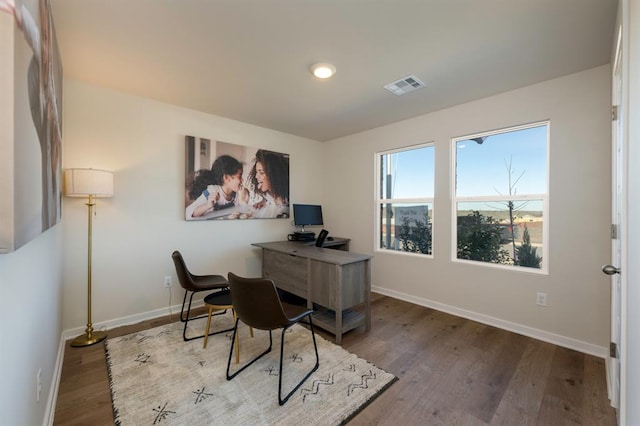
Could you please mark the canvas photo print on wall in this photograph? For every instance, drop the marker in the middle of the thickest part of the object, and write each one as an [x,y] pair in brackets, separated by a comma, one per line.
[228,181]
[31,177]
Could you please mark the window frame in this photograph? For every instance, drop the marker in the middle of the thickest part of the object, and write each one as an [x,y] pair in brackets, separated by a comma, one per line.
[379,202]
[455,200]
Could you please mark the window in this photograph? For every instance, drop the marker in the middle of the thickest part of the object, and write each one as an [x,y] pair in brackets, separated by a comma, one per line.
[405,199]
[500,197]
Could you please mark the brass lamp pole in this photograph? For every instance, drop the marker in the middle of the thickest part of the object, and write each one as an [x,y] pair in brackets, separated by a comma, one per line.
[89,183]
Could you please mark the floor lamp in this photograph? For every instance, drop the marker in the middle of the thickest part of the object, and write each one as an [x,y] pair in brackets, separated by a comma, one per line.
[90,183]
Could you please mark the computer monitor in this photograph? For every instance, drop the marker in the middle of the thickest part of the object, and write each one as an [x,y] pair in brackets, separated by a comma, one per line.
[307,215]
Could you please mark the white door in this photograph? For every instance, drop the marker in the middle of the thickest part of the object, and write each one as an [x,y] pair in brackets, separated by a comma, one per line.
[618,202]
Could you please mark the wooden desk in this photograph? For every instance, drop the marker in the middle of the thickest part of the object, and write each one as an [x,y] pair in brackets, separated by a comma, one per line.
[336,280]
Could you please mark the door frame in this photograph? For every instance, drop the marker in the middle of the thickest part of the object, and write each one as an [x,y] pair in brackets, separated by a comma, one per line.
[618,226]
[617,367]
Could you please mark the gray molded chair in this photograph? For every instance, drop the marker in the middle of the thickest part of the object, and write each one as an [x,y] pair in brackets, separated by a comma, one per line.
[256,303]
[193,284]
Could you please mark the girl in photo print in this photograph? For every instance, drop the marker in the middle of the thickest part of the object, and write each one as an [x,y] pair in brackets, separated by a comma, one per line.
[269,182]
[217,189]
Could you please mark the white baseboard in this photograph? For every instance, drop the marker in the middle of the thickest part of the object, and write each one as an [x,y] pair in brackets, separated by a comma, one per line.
[50,411]
[556,339]
[131,319]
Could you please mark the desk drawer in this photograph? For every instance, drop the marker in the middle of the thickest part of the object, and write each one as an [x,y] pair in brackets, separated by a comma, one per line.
[287,271]
[336,287]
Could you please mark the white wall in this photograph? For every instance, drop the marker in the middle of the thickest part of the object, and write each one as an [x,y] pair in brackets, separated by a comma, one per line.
[30,327]
[135,232]
[577,314]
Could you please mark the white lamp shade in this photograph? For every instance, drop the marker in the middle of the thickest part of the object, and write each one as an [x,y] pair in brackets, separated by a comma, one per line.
[85,182]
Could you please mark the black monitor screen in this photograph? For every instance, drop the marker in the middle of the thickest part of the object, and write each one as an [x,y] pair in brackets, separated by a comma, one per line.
[307,215]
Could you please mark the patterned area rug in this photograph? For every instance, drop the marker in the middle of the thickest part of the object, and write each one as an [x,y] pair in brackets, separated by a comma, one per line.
[157,378]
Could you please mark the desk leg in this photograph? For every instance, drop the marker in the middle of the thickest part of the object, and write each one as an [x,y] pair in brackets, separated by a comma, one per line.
[339,305]
[367,296]
[309,282]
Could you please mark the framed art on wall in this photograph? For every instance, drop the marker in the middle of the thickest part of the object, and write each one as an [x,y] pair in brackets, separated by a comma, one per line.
[227,181]
[31,135]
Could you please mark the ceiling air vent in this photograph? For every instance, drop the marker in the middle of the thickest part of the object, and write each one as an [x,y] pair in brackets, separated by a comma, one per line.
[405,85]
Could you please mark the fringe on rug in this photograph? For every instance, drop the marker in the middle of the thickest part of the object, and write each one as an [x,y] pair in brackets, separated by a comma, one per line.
[116,414]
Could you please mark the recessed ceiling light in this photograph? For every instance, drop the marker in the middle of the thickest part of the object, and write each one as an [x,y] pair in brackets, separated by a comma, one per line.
[323,70]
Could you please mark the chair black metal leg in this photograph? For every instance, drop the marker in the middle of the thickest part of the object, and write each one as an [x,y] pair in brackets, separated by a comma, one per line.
[186,319]
[184,300]
[233,339]
[281,400]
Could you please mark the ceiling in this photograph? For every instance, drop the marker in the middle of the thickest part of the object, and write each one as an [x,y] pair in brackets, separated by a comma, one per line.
[249,60]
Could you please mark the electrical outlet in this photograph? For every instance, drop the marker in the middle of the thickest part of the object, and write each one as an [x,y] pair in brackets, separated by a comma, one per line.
[167,281]
[541,299]
[38,384]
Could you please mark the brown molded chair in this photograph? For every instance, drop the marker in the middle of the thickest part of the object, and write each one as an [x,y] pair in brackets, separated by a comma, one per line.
[256,303]
[194,284]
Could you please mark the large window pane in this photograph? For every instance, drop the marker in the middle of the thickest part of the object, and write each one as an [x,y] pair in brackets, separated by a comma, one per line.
[407,174]
[506,236]
[487,165]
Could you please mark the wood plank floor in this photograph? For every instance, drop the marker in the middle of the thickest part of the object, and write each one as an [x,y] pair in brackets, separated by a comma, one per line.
[451,371]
